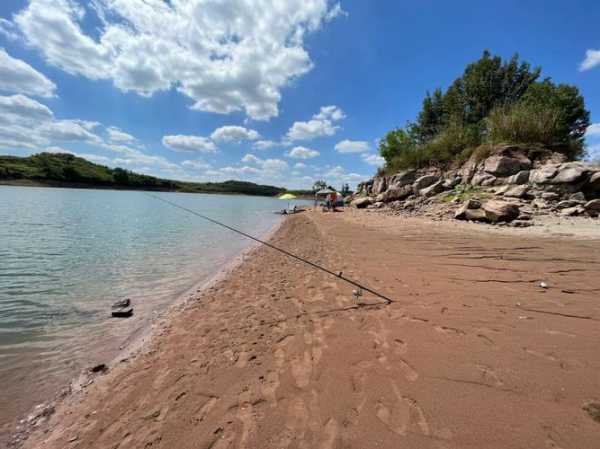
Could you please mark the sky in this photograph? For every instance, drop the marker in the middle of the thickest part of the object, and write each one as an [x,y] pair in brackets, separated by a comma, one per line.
[269,91]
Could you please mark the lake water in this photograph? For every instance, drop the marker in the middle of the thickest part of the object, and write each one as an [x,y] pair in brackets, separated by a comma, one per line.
[67,254]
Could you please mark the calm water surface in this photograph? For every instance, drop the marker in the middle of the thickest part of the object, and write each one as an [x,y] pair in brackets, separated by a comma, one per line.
[66,255]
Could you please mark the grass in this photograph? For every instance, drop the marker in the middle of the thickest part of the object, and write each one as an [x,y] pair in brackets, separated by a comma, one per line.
[466,192]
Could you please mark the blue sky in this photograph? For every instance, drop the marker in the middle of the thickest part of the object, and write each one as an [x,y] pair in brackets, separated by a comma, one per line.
[273,92]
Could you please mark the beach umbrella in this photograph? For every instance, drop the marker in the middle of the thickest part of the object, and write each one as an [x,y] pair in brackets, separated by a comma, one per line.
[288,197]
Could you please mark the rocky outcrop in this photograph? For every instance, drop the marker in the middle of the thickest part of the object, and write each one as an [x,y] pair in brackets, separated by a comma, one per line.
[362,202]
[539,181]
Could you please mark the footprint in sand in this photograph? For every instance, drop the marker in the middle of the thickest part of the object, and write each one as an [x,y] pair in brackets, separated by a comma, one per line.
[489,373]
[409,372]
[302,369]
[396,417]
[330,432]
[449,330]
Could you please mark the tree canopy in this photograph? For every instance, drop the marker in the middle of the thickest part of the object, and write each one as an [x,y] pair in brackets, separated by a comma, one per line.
[490,94]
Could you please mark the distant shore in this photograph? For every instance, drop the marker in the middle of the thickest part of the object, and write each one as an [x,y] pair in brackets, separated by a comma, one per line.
[278,355]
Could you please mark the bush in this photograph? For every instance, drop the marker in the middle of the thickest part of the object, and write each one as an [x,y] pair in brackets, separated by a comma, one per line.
[523,123]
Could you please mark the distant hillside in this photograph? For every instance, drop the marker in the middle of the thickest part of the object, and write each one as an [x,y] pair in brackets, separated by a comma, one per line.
[53,169]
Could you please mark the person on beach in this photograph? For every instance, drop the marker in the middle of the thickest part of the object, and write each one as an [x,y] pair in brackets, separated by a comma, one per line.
[333,200]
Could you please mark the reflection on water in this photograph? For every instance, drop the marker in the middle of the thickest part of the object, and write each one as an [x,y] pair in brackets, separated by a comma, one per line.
[66,255]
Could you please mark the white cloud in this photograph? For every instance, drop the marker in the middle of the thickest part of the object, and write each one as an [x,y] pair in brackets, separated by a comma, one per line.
[8,29]
[303,153]
[299,165]
[189,144]
[234,134]
[337,176]
[225,56]
[17,76]
[335,11]
[250,158]
[263,144]
[320,125]
[116,135]
[593,130]
[196,164]
[592,59]
[373,159]
[351,146]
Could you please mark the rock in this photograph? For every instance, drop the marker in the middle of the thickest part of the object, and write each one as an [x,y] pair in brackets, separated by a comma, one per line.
[521,224]
[550,196]
[577,196]
[572,211]
[361,203]
[520,178]
[433,189]
[539,203]
[593,207]
[378,205]
[450,183]
[379,197]
[519,191]
[123,312]
[496,211]
[402,178]
[498,165]
[501,190]
[542,175]
[424,181]
[593,184]
[396,193]
[100,368]
[122,303]
[470,210]
[379,185]
[482,179]
[570,172]
[568,203]
[524,216]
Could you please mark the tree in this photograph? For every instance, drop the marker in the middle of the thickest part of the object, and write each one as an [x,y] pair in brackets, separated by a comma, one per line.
[319,185]
[398,143]
[345,189]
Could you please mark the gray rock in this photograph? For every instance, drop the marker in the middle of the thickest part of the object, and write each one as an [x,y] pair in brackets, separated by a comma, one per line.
[519,191]
[496,211]
[402,178]
[550,196]
[379,185]
[578,196]
[470,210]
[379,197]
[361,203]
[521,224]
[424,181]
[570,172]
[482,179]
[593,207]
[564,204]
[498,165]
[395,193]
[433,189]
[593,184]
[450,183]
[539,203]
[520,178]
[378,204]
[542,175]
[573,211]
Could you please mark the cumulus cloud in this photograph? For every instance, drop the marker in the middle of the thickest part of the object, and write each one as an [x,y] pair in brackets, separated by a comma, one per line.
[234,134]
[351,146]
[196,164]
[17,76]
[338,175]
[225,56]
[116,135]
[373,159]
[303,153]
[299,165]
[189,144]
[592,59]
[320,125]
[263,144]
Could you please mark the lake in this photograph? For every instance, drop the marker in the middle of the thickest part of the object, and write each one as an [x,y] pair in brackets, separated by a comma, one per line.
[67,254]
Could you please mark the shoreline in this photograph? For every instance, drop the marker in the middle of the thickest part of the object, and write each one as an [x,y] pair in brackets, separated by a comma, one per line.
[272,355]
[132,346]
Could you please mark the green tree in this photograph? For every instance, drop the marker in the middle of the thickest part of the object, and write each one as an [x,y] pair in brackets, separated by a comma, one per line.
[319,185]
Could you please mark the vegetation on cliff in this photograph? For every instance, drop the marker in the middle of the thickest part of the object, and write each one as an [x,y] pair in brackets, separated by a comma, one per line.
[69,170]
[493,101]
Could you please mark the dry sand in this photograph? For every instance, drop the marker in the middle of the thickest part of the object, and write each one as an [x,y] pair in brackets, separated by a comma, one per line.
[474,354]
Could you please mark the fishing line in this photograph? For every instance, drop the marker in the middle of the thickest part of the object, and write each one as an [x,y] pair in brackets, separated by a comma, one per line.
[276,248]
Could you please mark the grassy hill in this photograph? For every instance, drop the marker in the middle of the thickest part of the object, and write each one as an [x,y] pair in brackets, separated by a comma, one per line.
[66,170]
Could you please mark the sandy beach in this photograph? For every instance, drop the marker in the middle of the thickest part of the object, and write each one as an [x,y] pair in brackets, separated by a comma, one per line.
[473,353]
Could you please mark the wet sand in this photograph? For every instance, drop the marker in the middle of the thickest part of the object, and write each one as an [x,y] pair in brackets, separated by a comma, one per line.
[472,353]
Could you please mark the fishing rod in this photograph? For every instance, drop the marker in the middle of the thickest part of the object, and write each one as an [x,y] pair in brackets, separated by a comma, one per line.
[276,248]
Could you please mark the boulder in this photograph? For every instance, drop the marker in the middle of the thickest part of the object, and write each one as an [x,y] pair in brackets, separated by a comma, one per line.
[482,179]
[402,178]
[565,204]
[378,205]
[550,196]
[539,203]
[570,172]
[578,196]
[519,191]
[424,181]
[543,175]
[593,184]
[379,185]
[499,165]
[496,211]
[433,189]
[593,207]
[396,193]
[450,183]
[520,178]
[361,203]
[572,211]
[471,210]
